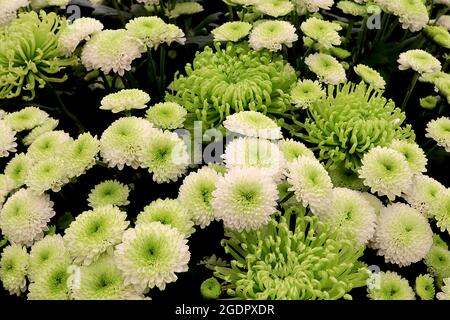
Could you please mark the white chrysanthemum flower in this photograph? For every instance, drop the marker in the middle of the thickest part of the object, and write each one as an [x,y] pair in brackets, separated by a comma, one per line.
[352,8]
[272,35]
[231,31]
[292,150]
[51,283]
[47,174]
[169,212]
[403,236]
[49,125]
[413,154]
[370,76]
[386,172]
[445,293]
[245,198]
[7,139]
[350,214]
[323,32]
[185,8]
[13,268]
[45,253]
[79,30]
[167,115]
[149,2]
[304,6]
[8,10]
[440,210]
[151,254]
[306,92]
[17,169]
[173,34]
[252,152]
[444,21]
[419,60]
[25,119]
[24,217]
[413,14]
[81,154]
[110,192]
[439,131]
[253,124]
[122,140]
[50,144]
[310,182]
[423,193]
[126,99]
[165,155]
[326,67]
[443,86]
[274,8]
[111,50]
[196,194]
[95,232]
[390,286]
[6,186]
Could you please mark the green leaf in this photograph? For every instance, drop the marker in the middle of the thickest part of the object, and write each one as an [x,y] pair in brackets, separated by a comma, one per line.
[64,221]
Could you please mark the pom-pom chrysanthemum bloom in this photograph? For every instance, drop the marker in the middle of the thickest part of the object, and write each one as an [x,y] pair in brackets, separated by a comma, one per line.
[438,34]
[323,32]
[438,259]
[423,193]
[274,8]
[165,155]
[111,50]
[6,186]
[439,131]
[245,198]
[94,232]
[151,254]
[440,210]
[24,217]
[444,21]
[124,100]
[305,92]
[292,150]
[386,172]
[196,194]
[419,60]
[310,182]
[8,10]
[391,286]
[17,169]
[326,67]
[272,35]
[13,268]
[170,212]
[253,124]
[291,259]
[48,145]
[7,139]
[47,174]
[48,125]
[370,76]
[231,31]
[413,154]
[121,142]
[403,236]
[412,14]
[185,8]
[352,8]
[81,154]
[425,287]
[51,283]
[110,192]
[445,293]
[80,29]
[26,119]
[167,115]
[304,6]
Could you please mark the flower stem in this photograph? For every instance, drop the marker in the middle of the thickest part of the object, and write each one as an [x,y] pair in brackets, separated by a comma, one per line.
[162,71]
[119,12]
[410,90]
[64,109]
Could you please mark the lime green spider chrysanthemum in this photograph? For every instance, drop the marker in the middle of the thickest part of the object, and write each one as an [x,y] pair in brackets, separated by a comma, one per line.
[151,254]
[272,35]
[391,286]
[32,57]
[425,287]
[76,32]
[13,268]
[439,131]
[121,142]
[47,174]
[110,192]
[94,232]
[386,172]
[352,8]
[124,100]
[48,145]
[102,280]
[305,92]
[323,32]
[45,253]
[169,212]
[24,217]
[310,182]
[17,169]
[440,210]
[326,67]
[196,194]
[51,284]
[292,150]
[48,125]
[165,155]
[245,198]
[253,124]
[231,31]
[438,34]
[413,154]
[403,236]
[445,293]
[274,8]
[423,194]
[185,8]
[26,119]
[419,60]
[7,139]
[345,178]
[167,115]
[81,154]
[370,76]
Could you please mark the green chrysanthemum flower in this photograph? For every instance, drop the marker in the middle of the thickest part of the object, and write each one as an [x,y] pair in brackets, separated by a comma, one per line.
[7,140]
[231,31]
[51,284]
[429,102]
[370,76]
[292,150]
[48,145]
[425,287]
[76,32]
[445,294]
[306,92]
[13,268]
[26,119]
[81,154]
[345,178]
[443,87]
[352,8]
[290,259]
[124,100]
[210,289]
[439,131]
[440,210]
[48,125]
[196,194]
[253,124]
[272,35]
[167,115]
[169,212]
[323,32]
[391,286]
[419,60]
[423,193]
[274,8]
[326,67]
[438,261]
[438,34]
[151,254]
[17,169]
[47,174]
[185,8]
[94,232]
[109,192]
[413,154]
